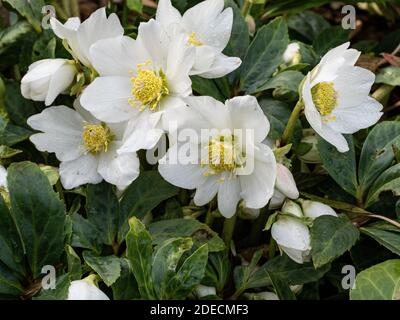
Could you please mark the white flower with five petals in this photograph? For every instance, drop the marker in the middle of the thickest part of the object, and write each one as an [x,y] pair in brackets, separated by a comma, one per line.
[86,147]
[335,96]
[219,168]
[139,81]
[207,27]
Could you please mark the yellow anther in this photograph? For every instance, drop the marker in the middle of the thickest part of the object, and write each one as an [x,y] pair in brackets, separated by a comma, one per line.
[194,41]
[325,98]
[96,137]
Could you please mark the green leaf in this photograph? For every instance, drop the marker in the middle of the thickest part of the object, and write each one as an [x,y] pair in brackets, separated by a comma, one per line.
[243,275]
[135,5]
[139,253]
[207,87]
[377,153]
[31,10]
[11,249]
[265,53]
[142,196]
[308,24]
[278,114]
[331,237]
[340,166]
[84,234]
[39,215]
[44,47]
[287,80]
[74,264]
[102,209]
[13,35]
[201,233]
[390,240]
[218,270]
[380,282]
[189,275]
[9,282]
[389,180]
[330,38]
[7,152]
[165,261]
[281,287]
[125,288]
[389,75]
[59,293]
[12,135]
[108,268]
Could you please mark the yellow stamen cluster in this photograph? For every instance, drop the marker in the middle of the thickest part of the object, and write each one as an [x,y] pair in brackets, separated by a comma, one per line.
[194,41]
[325,98]
[223,154]
[96,138]
[148,88]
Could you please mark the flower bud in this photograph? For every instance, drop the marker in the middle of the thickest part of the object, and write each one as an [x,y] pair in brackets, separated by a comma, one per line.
[310,140]
[314,209]
[277,200]
[204,291]
[293,238]
[85,290]
[292,54]
[251,25]
[285,182]
[46,79]
[292,208]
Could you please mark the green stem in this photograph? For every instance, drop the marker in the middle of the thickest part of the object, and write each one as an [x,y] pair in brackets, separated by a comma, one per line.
[209,218]
[271,248]
[60,191]
[382,94]
[75,8]
[229,228]
[246,8]
[288,133]
[66,7]
[125,15]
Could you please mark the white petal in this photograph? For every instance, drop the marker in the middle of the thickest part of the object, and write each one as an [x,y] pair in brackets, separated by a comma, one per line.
[246,113]
[207,191]
[80,171]
[277,200]
[285,182]
[83,290]
[314,209]
[291,233]
[107,99]
[204,59]
[258,187]
[166,14]
[60,82]
[188,176]
[62,129]
[299,256]
[114,56]
[3,177]
[228,195]
[222,65]
[119,170]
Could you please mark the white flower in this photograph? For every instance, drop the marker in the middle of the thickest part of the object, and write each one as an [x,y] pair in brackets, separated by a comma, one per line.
[335,96]
[291,54]
[265,295]
[85,290]
[207,27]
[314,209]
[139,81]
[86,147]
[291,235]
[3,177]
[218,168]
[81,36]
[204,291]
[46,79]
[285,187]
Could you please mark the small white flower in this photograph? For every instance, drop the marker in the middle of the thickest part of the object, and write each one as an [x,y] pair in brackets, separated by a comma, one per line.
[86,147]
[48,78]
[139,81]
[336,97]
[223,154]
[3,177]
[291,54]
[85,290]
[265,295]
[293,236]
[207,27]
[314,209]
[285,187]
[81,36]
[204,291]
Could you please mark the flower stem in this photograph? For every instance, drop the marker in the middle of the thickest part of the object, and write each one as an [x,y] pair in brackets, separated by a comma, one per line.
[229,228]
[288,133]
[75,8]
[246,8]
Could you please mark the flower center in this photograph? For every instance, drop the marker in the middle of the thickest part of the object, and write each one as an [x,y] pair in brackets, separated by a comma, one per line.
[148,88]
[194,41]
[223,154]
[96,137]
[324,97]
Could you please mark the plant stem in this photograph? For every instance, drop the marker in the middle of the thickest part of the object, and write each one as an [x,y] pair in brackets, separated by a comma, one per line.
[209,218]
[59,189]
[229,228]
[246,8]
[67,8]
[288,133]
[75,8]
[382,94]
[60,11]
